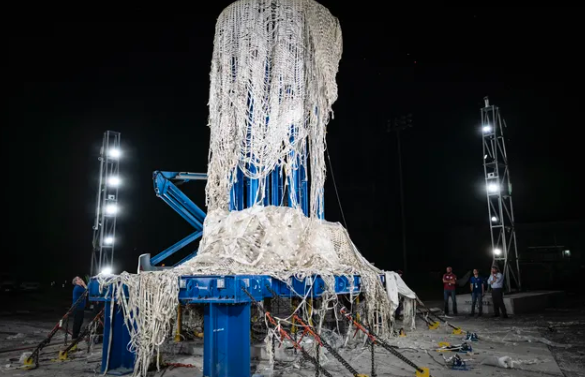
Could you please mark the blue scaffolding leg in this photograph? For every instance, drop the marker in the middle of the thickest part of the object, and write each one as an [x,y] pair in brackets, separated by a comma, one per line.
[121,360]
[226,347]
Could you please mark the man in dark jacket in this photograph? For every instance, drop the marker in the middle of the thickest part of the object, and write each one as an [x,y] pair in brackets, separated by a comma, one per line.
[79,290]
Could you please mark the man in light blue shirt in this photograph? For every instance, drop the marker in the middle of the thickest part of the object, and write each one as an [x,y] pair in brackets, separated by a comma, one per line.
[496,281]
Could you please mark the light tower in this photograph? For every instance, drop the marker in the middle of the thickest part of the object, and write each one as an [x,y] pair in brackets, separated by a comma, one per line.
[499,195]
[104,227]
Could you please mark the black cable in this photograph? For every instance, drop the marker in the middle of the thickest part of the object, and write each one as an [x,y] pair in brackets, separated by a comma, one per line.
[336,192]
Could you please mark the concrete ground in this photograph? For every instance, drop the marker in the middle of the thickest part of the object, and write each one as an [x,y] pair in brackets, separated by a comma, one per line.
[550,343]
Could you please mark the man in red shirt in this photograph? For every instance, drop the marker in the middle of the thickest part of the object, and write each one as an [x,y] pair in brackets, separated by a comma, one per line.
[449,284]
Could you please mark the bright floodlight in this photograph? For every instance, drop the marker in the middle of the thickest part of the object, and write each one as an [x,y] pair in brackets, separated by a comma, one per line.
[109,240]
[111,209]
[497,252]
[493,187]
[114,181]
[106,271]
[115,153]
[494,219]
[486,129]
[568,253]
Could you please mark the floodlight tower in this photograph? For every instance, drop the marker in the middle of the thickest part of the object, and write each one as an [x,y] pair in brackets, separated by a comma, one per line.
[499,195]
[104,227]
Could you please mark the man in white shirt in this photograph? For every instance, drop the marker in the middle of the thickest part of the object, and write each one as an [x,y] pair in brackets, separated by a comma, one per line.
[496,281]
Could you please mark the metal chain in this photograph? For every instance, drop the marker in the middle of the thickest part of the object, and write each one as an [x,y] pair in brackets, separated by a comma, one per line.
[317,358]
[325,344]
[304,352]
[338,357]
[373,348]
[387,347]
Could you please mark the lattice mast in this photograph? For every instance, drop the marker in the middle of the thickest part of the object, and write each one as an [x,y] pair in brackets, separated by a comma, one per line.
[104,227]
[499,195]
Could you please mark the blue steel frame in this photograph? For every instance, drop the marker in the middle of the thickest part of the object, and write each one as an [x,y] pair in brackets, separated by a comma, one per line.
[226,317]
[177,200]
[227,308]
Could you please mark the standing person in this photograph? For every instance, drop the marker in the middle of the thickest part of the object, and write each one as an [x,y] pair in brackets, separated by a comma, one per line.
[79,290]
[449,281]
[496,281]
[476,285]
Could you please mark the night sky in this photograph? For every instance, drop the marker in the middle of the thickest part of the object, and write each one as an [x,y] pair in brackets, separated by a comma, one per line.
[148,78]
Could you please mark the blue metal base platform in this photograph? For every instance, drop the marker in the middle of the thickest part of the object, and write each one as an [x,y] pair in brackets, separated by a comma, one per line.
[226,317]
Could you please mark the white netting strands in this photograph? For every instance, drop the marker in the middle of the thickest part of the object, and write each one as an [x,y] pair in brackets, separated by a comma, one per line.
[283,242]
[272,88]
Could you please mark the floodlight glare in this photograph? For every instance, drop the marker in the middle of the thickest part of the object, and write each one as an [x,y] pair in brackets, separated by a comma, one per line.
[493,187]
[115,153]
[109,240]
[106,271]
[111,209]
[497,252]
[486,129]
[114,181]
[494,219]
[568,253]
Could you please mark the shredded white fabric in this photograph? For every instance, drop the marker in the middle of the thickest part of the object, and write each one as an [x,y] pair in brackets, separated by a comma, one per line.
[272,89]
[397,290]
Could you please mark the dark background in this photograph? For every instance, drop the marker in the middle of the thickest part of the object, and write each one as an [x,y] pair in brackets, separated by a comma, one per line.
[148,78]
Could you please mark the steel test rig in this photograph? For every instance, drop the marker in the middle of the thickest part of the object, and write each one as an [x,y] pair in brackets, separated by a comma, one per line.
[227,307]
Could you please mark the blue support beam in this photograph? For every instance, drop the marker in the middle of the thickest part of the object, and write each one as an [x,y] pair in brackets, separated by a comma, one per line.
[176,199]
[226,315]
[276,187]
[176,247]
[237,192]
[117,360]
[226,347]
[166,189]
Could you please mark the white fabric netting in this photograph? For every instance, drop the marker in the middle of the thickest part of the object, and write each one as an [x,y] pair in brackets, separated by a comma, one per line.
[272,88]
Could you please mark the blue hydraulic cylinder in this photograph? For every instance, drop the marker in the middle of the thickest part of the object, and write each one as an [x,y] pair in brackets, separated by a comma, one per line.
[294,176]
[304,183]
[252,194]
[226,347]
[276,187]
[121,360]
[253,185]
[178,201]
[173,249]
[237,192]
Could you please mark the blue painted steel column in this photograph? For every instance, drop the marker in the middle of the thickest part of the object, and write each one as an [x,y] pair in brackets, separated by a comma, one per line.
[294,176]
[226,347]
[121,360]
[252,188]
[276,187]
[237,192]
[252,184]
[321,207]
[304,194]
